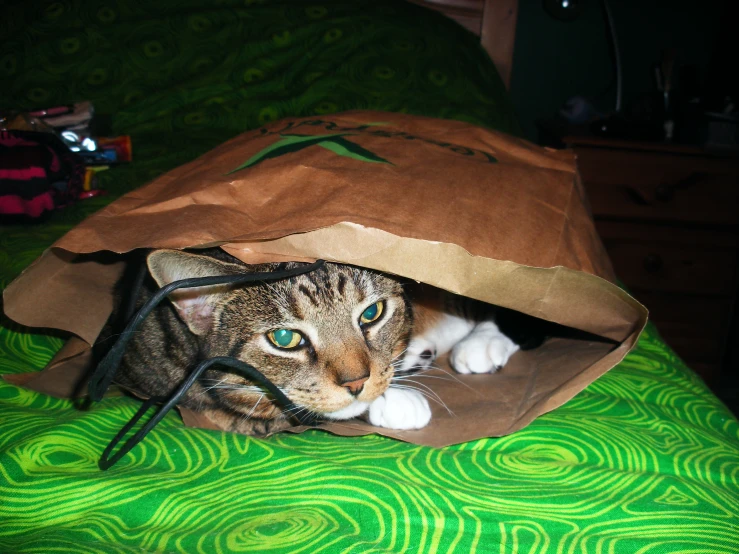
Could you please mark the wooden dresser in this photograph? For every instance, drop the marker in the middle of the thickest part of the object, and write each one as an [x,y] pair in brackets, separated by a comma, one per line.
[669,218]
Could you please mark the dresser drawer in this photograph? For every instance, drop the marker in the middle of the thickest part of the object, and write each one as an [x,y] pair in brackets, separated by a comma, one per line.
[660,186]
[669,259]
[695,326]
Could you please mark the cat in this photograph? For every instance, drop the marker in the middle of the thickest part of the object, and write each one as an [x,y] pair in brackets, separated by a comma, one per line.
[332,340]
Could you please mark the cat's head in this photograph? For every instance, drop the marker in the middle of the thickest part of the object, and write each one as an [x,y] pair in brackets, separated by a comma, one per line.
[328,339]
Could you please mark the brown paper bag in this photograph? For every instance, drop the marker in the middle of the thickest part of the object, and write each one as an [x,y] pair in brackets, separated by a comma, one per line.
[446,203]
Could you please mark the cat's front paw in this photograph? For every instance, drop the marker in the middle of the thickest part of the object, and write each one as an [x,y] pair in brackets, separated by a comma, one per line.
[400,409]
[484,350]
[419,355]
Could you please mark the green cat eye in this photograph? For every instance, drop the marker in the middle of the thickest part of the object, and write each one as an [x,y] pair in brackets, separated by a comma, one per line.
[285,338]
[372,313]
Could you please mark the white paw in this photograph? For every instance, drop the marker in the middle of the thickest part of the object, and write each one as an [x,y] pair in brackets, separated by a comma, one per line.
[484,350]
[419,355]
[400,409]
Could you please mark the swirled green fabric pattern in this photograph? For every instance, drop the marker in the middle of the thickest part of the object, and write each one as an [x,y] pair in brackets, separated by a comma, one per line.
[644,460]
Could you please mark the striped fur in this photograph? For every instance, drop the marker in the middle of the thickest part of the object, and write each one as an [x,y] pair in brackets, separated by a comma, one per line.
[342,369]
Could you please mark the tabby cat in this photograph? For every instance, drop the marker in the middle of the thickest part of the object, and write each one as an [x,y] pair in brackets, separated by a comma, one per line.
[332,340]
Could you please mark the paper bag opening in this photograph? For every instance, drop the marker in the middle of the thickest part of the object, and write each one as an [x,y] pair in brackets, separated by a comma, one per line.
[445,203]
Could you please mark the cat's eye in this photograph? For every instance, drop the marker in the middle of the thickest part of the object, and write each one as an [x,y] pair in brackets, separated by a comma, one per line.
[372,313]
[285,338]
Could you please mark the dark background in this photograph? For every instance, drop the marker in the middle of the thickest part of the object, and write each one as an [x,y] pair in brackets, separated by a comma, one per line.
[555,60]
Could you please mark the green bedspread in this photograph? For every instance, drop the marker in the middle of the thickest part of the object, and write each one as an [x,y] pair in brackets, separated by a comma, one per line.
[646,459]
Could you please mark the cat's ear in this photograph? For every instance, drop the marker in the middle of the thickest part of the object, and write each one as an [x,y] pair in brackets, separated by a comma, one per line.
[195,306]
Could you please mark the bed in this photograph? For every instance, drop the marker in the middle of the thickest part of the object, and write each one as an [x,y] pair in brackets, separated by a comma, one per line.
[646,459]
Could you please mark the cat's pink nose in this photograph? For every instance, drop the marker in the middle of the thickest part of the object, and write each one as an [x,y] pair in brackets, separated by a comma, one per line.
[356,386]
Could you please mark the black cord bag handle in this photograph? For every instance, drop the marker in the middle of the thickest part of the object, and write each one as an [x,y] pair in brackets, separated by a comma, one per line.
[104,373]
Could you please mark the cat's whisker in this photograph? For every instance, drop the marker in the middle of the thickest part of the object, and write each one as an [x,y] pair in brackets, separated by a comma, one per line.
[300,411]
[416,373]
[400,354]
[398,360]
[219,384]
[425,387]
[447,373]
[296,411]
[457,379]
[432,395]
[242,388]
[429,396]
[446,377]
[251,412]
[419,369]
[411,369]
[428,393]
[214,386]
[410,378]
[405,375]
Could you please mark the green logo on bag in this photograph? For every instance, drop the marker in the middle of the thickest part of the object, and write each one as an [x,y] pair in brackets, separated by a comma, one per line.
[335,142]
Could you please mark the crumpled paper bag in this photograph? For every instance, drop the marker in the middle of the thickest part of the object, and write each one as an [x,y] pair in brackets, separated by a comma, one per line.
[447,203]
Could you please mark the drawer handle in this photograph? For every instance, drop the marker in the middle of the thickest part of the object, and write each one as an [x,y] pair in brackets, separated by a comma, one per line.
[637,197]
[653,263]
[666,191]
